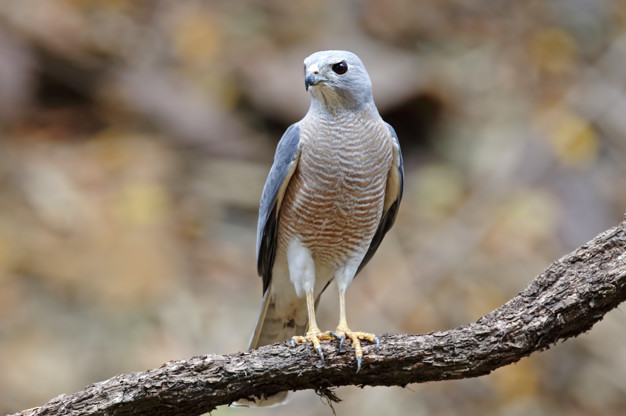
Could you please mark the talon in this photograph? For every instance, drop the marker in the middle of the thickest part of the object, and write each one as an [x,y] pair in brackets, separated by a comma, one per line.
[314,336]
[343,332]
[319,351]
[340,336]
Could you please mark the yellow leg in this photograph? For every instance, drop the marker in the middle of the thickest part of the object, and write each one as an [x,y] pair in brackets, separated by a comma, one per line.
[342,332]
[313,335]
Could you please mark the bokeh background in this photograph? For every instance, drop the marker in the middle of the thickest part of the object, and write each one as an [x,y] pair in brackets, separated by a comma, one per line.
[135,138]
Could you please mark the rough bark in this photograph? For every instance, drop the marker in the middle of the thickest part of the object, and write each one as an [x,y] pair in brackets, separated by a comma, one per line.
[564,301]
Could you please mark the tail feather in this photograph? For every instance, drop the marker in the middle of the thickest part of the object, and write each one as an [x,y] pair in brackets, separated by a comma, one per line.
[270,329]
[256,334]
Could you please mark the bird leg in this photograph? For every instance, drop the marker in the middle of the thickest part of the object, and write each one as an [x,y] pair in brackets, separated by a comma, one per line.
[342,332]
[313,335]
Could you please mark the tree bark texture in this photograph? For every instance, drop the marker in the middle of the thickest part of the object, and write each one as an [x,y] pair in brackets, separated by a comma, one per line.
[564,301]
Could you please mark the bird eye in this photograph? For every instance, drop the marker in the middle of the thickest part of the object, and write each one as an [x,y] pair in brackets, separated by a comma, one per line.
[340,67]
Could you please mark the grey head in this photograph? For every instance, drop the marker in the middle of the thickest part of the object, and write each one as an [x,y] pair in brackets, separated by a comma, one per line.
[337,80]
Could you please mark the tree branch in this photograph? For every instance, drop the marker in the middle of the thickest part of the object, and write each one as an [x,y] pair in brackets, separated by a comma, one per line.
[564,301]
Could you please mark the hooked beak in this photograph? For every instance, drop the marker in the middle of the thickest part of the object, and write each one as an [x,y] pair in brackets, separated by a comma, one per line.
[311,79]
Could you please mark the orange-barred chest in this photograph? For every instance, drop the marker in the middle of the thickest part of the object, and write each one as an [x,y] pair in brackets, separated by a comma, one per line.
[335,199]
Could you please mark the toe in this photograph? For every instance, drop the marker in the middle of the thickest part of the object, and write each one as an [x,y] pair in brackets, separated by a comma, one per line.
[314,337]
[355,336]
[321,354]
[341,336]
[358,351]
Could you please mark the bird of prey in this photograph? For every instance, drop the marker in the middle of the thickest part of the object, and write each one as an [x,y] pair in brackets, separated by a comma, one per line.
[330,197]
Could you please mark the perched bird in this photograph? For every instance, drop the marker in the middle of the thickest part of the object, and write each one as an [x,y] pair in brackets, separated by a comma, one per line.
[331,196]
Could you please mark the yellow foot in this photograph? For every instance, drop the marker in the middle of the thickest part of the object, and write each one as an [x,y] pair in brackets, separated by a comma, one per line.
[313,336]
[341,333]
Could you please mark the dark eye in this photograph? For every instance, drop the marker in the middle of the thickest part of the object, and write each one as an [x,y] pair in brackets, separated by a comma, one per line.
[340,67]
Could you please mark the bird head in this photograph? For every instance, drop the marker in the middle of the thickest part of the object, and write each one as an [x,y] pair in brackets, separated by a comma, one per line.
[337,80]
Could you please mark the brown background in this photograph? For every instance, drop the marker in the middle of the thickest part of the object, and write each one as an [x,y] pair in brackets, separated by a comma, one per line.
[135,137]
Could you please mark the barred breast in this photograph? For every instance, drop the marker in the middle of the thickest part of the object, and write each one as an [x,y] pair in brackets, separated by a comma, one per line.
[334,201]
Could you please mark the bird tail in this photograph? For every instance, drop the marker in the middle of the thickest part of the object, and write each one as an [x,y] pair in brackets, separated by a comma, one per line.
[270,329]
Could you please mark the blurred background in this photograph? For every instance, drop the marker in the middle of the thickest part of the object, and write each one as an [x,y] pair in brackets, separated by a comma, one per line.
[135,138]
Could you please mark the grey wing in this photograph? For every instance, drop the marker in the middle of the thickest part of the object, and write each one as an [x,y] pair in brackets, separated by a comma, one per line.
[393,196]
[285,162]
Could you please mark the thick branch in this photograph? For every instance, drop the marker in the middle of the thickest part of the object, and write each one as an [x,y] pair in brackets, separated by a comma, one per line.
[564,301]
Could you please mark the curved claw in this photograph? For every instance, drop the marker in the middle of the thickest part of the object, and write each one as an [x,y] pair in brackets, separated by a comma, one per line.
[340,336]
[342,333]
[319,351]
[313,336]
